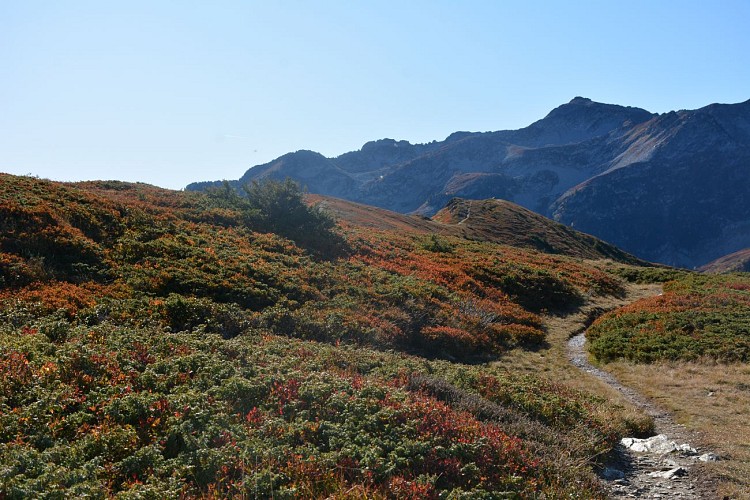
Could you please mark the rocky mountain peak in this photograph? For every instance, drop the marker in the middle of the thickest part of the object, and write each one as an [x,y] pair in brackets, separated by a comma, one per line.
[384,144]
[581,101]
[579,120]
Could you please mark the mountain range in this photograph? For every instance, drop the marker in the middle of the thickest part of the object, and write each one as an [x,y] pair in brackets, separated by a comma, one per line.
[669,188]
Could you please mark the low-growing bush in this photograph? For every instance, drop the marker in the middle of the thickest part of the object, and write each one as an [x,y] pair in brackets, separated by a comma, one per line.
[697,317]
[195,414]
[170,344]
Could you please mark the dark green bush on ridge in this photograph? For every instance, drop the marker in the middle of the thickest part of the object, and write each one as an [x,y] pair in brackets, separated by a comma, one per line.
[655,274]
[436,244]
[279,207]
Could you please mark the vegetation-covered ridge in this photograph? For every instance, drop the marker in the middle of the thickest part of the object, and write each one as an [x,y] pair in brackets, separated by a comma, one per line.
[170,344]
[697,317]
[497,221]
[145,255]
[504,222]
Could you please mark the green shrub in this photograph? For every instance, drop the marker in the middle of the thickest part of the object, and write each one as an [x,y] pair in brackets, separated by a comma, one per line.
[436,244]
[697,317]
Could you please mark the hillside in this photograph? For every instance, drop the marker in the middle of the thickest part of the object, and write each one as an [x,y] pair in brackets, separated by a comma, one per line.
[506,223]
[697,317]
[179,344]
[687,349]
[737,262]
[495,221]
[666,187]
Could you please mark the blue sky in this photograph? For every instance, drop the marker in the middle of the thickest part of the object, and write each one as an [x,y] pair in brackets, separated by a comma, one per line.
[170,92]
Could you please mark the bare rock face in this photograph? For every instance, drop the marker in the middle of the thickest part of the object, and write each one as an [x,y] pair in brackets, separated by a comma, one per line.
[678,194]
[670,188]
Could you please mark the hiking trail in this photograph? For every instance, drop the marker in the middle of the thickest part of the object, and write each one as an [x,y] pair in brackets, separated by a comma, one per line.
[663,466]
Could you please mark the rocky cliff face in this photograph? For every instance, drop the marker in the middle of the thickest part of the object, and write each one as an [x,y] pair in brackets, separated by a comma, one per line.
[679,194]
[672,188]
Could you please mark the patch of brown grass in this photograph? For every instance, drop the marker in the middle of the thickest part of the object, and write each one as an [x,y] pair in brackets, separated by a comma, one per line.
[732,263]
[348,213]
[713,400]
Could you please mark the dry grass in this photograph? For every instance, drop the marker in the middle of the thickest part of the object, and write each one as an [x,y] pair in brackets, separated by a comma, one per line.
[552,360]
[732,263]
[711,400]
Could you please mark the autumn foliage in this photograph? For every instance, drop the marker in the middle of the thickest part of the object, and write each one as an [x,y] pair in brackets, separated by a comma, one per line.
[174,344]
[697,317]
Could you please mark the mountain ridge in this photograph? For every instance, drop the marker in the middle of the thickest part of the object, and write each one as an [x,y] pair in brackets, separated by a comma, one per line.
[665,187]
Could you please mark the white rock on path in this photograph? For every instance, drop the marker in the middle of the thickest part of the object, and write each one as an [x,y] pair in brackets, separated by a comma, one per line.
[656,444]
[670,474]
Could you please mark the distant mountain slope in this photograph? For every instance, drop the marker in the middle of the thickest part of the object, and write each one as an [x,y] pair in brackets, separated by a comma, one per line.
[678,194]
[669,188]
[734,262]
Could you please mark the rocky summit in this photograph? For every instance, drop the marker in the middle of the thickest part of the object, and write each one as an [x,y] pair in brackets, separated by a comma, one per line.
[670,188]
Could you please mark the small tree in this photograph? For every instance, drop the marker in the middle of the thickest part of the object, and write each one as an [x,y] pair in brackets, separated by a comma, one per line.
[437,244]
[279,207]
[227,197]
[283,211]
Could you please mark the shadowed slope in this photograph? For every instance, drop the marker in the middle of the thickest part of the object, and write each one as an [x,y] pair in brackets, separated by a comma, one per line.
[734,262]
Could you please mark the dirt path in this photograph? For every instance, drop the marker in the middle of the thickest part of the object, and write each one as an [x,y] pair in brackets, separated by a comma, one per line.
[654,474]
[468,214]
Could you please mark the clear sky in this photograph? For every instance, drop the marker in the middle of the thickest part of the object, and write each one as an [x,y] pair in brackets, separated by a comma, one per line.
[170,92]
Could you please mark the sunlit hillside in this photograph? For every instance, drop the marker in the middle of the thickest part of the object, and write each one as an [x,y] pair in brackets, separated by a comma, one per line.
[162,343]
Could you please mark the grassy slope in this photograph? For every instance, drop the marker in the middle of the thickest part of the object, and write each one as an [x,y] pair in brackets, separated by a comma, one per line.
[507,223]
[496,221]
[697,316]
[152,341]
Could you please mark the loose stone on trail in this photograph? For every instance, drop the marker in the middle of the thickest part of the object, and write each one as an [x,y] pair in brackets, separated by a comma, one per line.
[657,444]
